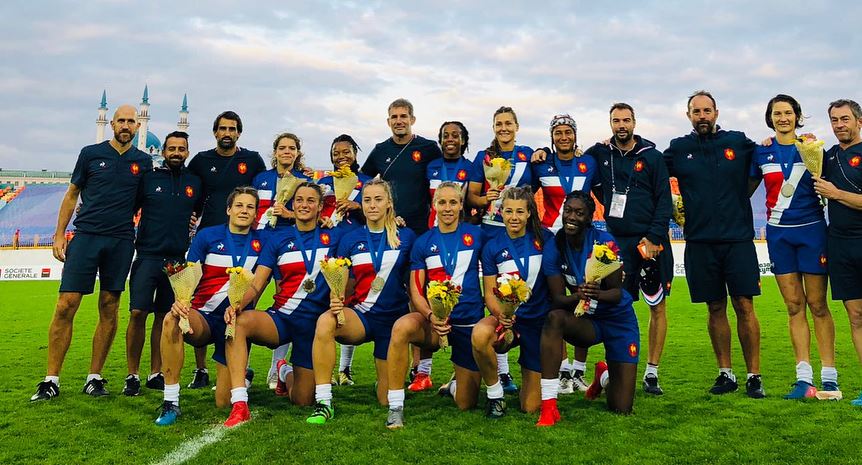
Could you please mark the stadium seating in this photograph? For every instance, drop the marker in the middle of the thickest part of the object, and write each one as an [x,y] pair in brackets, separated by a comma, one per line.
[33,209]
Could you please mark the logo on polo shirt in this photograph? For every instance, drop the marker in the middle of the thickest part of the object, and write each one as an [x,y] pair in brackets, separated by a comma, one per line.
[633,349]
[102,165]
[854,162]
[158,188]
[639,166]
[729,154]
[255,245]
[242,168]
[462,175]
[190,192]
[582,167]
[135,169]
[324,238]
[822,260]
[467,239]
[417,156]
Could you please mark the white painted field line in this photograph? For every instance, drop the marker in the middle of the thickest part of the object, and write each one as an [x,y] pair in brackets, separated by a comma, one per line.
[192,447]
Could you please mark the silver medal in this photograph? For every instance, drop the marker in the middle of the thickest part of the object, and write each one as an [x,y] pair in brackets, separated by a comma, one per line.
[377,284]
[787,190]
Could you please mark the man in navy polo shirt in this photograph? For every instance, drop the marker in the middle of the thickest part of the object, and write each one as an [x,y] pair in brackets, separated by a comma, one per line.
[106,177]
[842,185]
[168,196]
[712,168]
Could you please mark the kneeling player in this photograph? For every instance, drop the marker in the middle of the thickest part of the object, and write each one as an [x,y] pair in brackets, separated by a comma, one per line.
[217,248]
[610,320]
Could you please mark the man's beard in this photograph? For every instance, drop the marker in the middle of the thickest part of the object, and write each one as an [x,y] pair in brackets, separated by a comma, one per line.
[226,144]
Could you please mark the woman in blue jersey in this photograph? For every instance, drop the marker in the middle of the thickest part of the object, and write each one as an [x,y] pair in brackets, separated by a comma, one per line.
[517,251]
[610,320]
[454,140]
[376,295]
[449,251]
[302,295]
[286,159]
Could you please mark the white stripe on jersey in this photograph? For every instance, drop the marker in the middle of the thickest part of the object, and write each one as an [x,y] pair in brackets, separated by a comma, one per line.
[461,265]
[390,257]
[226,261]
[782,203]
[509,267]
[293,301]
[222,261]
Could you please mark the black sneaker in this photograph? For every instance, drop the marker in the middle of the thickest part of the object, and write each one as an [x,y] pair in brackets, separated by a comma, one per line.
[754,387]
[201,379]
[495,409]
[156,382]
[132,386]
[723,385]
[96,388]
[651,385]
[249,377]
[413,372]
[46,390]
[509,386]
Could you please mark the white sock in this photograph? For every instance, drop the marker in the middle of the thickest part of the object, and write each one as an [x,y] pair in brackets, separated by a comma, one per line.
[323,393]
[136,376]
[728,372]
[279,353]
[495,391]
[828,374]
[286,369]
[804,372]
[453,387]
[651,370]
[565,365]
[502,364]
[425,366]
[346,359]
[93,376]
[239,394]
[550,388]
[750,375]
[172,393]
[578,365]
[151,375]
[604,379]
[53,379]
[203,370]
[396,398]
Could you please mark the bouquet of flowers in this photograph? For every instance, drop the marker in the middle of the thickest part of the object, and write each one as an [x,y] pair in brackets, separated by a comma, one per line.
[343,181]
[811,151]
[239,281]
[511,292]
[497,172]
[184,278]
[336,271]
[284,190]
[600,265]
[443,296]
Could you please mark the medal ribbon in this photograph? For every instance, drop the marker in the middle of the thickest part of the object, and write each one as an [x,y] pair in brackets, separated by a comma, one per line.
[566,179]
[237,260]
[449,260]
[376,257]
[522,264]
[309,261]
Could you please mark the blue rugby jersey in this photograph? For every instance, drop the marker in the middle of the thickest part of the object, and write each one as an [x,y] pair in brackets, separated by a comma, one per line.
[778,165]
[499,259]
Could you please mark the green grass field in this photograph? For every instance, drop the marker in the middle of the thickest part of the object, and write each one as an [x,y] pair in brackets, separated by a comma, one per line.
[686,425]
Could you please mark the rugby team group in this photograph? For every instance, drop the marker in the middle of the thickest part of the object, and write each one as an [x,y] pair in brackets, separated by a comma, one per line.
[421,211]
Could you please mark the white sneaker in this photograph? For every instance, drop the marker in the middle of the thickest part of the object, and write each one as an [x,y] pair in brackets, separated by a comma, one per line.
[272,380]
[566,385]
[579,382]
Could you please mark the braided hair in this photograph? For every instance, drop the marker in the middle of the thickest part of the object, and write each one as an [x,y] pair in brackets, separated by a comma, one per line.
[583,196]
[346,138]
[465,136]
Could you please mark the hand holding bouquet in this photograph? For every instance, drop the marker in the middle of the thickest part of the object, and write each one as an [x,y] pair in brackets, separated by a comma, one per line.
[343,181]
[184,278]
[284,190]
[600,265]
[336,271]
[497,172]
[443,296]
[811,151]
[239,281]
[511,292]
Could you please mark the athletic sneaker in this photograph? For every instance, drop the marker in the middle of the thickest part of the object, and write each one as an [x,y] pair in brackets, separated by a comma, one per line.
[169,413]
[96,388]
[420,383]
[412,375]
[595,389]
[495,408]
[754,387]
[272,380]
[132,386]
[395,420]
[723,385]
[566,383]
[46,390]
[801,390]
[156,382]
[857,402]
[651,385]
[249,377]
[579,382]
[829,391]
[509,386]
[280,386]
[444,390]
[345,377]
[200,380]
[550,414]
[239,414]
[321,414]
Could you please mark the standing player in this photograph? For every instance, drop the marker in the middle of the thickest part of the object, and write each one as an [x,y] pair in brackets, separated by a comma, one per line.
[712,167]
[286,161]
[449,251]
[842,185]
[635,190]
[106,177]
[216,249]
[453,167]
[168,196]
[796,239]
[517,251]
[376,295]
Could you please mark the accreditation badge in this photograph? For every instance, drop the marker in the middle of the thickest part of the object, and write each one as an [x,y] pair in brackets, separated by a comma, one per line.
[618,205]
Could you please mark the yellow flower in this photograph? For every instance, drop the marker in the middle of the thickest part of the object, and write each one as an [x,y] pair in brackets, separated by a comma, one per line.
[343,172]
[506,289]
[501,163]
[523,293]
[603,253]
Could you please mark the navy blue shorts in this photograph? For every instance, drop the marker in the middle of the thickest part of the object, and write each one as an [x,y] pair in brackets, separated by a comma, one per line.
[378,328]
[461,343]
[845,268]
[298,328]
[149,288]
[530,340]
[715,269]
[800,249]
[620,336]
[87,254]
[217,328]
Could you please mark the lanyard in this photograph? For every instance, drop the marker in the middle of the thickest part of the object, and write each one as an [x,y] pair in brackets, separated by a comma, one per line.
[376,257]
[309,261]
[566,180]
[237,260]
[613,178]
[449,259]
[383,176]
[523,264]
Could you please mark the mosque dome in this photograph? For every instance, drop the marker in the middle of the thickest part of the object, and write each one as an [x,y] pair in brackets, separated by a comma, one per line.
[153,146]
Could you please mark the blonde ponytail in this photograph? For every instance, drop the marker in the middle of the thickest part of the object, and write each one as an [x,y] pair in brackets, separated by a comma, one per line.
[389,217]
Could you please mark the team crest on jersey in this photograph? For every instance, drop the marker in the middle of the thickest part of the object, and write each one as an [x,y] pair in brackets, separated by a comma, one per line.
[854,162]
[135,168]
[633,349]
[582,167]
[359,185]
[729,154]
[462,175]
[242,168]
[537,245]
[417,156]
[325,239]
[639,166]
[255,245]
[190,192]
[467,239]
[823,260]
[521,156]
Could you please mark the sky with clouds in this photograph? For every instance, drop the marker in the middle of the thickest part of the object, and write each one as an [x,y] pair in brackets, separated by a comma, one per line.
[320,69]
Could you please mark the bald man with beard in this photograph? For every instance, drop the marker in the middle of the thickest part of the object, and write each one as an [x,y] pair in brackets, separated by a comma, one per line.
[106,178]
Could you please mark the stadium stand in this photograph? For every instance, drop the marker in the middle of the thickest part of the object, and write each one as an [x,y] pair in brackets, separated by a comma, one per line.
[33,210]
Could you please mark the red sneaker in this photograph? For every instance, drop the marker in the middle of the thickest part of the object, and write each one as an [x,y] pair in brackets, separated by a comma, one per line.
[550,415]
[595,389]
[280,386]
[420,383]
[239,414]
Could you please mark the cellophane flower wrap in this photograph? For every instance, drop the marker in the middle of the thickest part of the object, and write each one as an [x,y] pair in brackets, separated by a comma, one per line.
[497,172]
[336,271]
[511,292]
[238,283]
[184,278]
[602,262]
[811,151]
[443,296]
[284,190]
[343,181]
